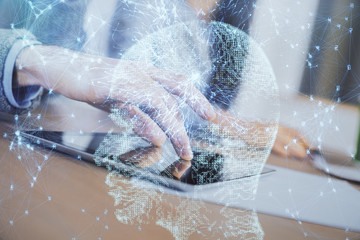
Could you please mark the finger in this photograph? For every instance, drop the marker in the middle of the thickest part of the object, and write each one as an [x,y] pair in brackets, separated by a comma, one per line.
[165,112]
[304,141]
[196,100]
[177,169]
[144,126]
[180,167]
[180,86]
[141,158]
[162,108]
[279,149]
[297,151]
[228,124]
[253,133]
[296,136]
[300,140]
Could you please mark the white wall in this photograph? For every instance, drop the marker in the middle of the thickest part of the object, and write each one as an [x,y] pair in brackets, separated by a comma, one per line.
[283,28]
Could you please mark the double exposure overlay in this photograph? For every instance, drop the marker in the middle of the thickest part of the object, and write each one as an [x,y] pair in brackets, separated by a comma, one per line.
[186,98]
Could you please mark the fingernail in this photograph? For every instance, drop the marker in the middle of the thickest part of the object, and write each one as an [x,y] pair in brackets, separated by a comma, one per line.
[300,151]
[210,114]
[186,153]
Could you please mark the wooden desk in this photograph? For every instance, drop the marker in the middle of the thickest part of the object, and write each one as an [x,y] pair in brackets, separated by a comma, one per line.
[70,199]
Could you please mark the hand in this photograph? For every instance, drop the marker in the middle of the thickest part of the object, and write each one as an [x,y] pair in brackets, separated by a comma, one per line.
[290,142]
[144,92]
[253,133]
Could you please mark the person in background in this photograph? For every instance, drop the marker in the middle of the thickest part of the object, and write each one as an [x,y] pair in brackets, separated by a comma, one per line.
[43,43]
[239,13]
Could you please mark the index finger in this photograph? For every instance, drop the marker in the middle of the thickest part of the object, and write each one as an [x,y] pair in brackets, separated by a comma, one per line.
[163,109]
[180,86]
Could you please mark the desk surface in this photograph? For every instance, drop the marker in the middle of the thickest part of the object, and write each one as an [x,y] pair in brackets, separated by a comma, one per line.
[52,196]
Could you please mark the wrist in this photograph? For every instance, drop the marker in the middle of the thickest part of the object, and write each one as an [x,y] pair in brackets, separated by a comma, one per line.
[27,63]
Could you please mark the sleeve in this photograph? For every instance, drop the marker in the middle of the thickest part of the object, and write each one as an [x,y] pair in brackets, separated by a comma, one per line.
[18,99]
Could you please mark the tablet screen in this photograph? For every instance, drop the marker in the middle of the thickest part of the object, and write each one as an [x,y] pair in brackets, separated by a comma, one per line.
[206,167]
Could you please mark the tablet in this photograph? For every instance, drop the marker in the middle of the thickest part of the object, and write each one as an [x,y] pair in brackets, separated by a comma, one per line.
[139,158]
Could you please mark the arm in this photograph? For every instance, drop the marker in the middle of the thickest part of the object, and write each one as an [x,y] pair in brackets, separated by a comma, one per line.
[13,98]
[143,92]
